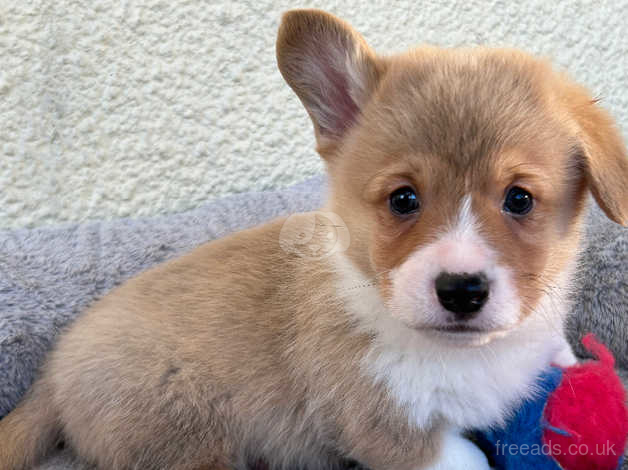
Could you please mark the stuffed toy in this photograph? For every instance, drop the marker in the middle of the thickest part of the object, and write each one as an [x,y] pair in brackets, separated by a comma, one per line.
[577,420]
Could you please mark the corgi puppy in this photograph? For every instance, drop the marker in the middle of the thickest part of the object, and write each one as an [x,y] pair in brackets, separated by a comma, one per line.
[424,297]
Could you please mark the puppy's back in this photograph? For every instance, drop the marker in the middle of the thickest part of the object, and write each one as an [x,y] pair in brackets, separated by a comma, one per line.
[164,357]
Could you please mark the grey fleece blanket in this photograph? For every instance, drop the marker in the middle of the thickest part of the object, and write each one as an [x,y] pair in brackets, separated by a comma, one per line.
[48,276]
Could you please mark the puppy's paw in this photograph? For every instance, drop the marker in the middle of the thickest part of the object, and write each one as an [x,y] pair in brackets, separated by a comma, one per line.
[458,453]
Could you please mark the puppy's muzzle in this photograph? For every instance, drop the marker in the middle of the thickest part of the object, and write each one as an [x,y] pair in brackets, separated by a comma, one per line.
[463,294]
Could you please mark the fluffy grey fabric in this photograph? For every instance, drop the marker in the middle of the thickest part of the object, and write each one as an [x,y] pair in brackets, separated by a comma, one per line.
[48,276]
[602,302]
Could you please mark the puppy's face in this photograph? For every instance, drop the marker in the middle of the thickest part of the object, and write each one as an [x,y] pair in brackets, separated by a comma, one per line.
[461,174]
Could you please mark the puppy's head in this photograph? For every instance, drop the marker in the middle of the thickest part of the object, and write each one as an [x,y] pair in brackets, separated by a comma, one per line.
[462,175]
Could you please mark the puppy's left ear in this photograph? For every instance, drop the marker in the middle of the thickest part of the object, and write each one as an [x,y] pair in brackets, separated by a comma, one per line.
[606,159]
[330,68]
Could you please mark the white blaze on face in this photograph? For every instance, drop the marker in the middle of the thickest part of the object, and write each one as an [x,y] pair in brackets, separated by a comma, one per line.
[458,249]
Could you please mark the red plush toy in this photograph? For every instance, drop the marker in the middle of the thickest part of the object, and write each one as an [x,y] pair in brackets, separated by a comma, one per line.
[589,407]
[577,421]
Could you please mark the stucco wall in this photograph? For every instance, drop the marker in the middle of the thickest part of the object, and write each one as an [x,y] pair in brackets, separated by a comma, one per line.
[125,108]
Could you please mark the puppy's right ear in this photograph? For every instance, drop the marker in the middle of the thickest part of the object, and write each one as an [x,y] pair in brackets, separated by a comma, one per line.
[330,68]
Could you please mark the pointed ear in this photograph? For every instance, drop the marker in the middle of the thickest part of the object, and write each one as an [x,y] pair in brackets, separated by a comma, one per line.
[606,159]
[330,68]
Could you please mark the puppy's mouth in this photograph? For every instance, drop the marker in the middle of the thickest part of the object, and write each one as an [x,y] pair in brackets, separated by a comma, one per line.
[459,328]
[464,335]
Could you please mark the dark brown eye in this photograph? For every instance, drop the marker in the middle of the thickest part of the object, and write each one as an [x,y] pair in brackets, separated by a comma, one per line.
[518,201]
[404,201]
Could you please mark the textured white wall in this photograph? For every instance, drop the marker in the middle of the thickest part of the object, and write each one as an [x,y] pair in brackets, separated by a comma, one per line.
[133,107]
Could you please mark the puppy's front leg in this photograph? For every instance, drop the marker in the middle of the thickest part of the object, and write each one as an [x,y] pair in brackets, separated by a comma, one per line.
[438,450]
[457,452]
[379,441]
[388,454]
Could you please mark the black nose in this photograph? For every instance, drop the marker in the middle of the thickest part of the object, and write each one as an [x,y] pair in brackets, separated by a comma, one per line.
[464,294]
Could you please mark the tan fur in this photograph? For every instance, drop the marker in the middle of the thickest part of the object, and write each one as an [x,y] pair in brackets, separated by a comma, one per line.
[30,430]
[240,351]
